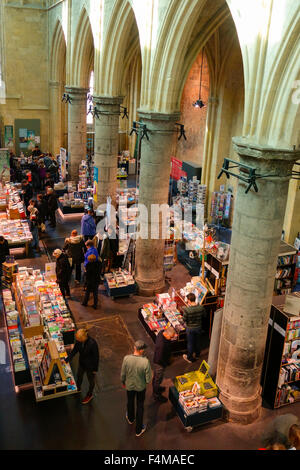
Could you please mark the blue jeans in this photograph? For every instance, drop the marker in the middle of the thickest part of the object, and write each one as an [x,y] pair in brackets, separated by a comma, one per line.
[193,342]
[35,240]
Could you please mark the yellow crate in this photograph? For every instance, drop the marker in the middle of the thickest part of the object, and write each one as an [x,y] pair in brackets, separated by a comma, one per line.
[201,375]
[209,388]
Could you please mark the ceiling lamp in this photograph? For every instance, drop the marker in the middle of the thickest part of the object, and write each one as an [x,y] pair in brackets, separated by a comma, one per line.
[199,103]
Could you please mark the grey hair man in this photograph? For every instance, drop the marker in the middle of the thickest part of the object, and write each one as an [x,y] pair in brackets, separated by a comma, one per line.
[135,375]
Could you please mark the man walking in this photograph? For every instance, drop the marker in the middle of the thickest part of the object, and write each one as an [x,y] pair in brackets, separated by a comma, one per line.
[93,268]
[162,358]
[88,351]
[192,316]
[135,375]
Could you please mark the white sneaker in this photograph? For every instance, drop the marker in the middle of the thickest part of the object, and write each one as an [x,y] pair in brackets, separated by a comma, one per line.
[142,431]
[130,422]
[186,358]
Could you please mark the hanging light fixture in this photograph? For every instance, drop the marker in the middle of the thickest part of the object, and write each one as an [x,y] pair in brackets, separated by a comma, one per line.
[199,103]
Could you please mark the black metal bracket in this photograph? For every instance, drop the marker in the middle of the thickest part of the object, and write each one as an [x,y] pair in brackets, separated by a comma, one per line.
[66,97]
[139,127]
[181,130]
[248,177]
[249,174]
[125,112]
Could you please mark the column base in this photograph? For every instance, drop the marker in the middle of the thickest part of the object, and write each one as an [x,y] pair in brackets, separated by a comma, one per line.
[149,288]
[241,411]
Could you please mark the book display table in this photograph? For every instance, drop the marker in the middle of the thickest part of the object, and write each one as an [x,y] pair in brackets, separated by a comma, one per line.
[42,327]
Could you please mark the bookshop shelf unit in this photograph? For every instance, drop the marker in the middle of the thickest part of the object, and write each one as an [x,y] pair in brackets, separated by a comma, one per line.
[42,326]
[280,379]
[286,267]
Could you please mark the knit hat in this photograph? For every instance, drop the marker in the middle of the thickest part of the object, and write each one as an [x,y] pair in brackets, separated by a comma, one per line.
[57,253]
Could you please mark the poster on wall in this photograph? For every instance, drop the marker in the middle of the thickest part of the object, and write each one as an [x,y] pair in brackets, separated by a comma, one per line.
[4,165]
[9,137]
[23,138]
[30,140]
[63,163]
[95,183]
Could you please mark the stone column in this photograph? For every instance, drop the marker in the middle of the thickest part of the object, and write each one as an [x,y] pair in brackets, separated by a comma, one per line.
[256,233]
[154,189]
[55,117]
[77,111]
[106,146]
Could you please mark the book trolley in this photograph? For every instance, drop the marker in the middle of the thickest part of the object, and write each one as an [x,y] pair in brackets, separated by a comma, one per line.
[280,379]
[194,397]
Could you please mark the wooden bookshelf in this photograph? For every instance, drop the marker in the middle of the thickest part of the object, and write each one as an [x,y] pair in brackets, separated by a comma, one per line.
[278,352]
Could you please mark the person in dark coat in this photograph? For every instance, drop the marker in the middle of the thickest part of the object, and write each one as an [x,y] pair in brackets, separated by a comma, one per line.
[27,192]
[52,206]
[161,359]
[63,272]
[88,351]
[4,251]
[41,206]
[75,248]
[93,269]
[42,174]
[193,316]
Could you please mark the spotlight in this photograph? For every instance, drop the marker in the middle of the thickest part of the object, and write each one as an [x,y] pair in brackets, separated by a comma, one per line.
[198,104]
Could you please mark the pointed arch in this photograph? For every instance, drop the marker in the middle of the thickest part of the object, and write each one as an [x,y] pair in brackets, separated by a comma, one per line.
[177,50]
[121,34]
[83,52]
[58,54]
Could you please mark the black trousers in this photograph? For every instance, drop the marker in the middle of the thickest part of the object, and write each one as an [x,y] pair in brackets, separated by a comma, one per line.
[158,375]
[77,271]
[88,237]
[139,414]
[52,218]
[65,288]
[89,290]
[91,378]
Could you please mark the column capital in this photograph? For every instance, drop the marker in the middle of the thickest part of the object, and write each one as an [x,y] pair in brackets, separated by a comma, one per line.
[76,91]
[156,116]
[108,100]
[54,84]
[245,148]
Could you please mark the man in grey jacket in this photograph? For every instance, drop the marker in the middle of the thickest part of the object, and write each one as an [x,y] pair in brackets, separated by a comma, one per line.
[135,375]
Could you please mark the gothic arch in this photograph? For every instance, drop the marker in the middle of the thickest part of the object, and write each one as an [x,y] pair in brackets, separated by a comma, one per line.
[58,54]
[83,52]
[121,34]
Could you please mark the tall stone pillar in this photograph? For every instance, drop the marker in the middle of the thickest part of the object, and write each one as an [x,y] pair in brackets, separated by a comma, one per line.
[55,117]
[154,189]
[256,234]
[77,111]
[106,146]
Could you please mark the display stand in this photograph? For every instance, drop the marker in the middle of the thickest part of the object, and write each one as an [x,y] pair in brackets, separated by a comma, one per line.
[280,378]
[178,346]
[115,286]
[196,419]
